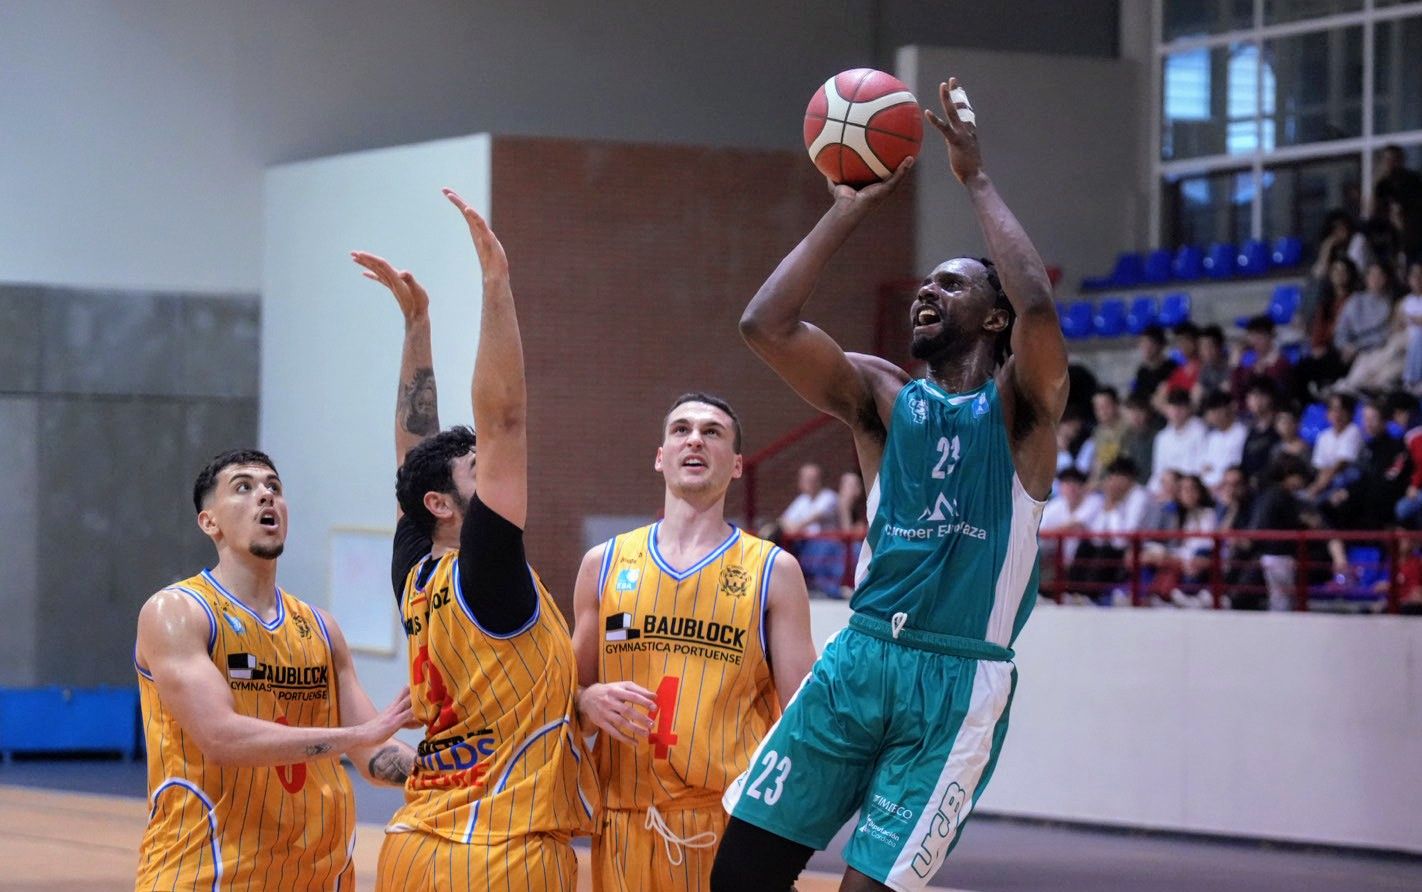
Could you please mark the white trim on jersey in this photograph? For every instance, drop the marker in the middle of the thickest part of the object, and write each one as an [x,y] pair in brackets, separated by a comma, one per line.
[1017,564]
[866,552]
[948,806]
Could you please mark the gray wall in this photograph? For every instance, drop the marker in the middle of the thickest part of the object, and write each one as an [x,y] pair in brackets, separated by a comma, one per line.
[133,133]
[109,402]
[1059,137]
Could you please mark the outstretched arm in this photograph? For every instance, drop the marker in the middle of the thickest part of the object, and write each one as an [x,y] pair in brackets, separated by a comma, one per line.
[416,400]
[1038,367]
[808,359]
[387,762]
[173,645]
[499,394]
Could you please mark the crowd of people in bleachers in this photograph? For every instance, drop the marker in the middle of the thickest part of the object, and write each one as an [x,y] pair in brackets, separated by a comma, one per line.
[823,527]
[1313,428]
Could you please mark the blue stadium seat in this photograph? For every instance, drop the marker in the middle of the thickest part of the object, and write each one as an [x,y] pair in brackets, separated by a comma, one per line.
[1130,268]
[1253,258]
[1293,353]
[1157,267]
[1189,264]
[1313,421]
[1219,261]
[1285,303]
[1287,253]
[1076,321]
[1143,311]
[1110,321]
[1174,309]
[1247,358]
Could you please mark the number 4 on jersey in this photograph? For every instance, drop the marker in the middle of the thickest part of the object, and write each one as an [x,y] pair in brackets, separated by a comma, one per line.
[664,737]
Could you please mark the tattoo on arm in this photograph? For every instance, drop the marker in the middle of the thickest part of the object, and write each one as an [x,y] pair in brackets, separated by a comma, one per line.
[317,749]
[419,403]
[392,764]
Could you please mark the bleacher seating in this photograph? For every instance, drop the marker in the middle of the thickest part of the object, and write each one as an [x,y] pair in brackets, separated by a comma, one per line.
[1076,318]
[1143,311]
[1174,309]
[1313,421]
[1189,263]
[1285,303]
[1110,319]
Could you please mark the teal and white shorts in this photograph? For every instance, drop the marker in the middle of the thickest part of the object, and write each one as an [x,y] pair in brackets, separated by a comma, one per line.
[904,731]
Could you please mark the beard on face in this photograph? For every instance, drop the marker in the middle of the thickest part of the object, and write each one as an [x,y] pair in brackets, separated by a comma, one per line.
[929,346]
[267,552]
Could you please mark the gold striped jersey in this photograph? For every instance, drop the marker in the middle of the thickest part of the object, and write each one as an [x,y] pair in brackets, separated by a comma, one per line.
[224,827]
[502,755]
[696,639]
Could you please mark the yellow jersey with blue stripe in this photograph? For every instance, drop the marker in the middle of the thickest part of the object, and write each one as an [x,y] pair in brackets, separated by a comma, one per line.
[502,755]
[695,637]
[216,826]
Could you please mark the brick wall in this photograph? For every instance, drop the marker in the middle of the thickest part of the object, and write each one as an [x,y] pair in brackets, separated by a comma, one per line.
[631,265]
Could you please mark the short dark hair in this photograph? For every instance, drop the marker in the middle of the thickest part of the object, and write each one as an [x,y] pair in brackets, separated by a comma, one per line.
[1177,397]
[1124,466]
[1138,401]
[1216,399]
[1071,474]
[1108,391]
[1214,333]
[1346,401]
[1186,329]
[429,467]
[1263,322]
[1155,333]
[207,477]
[699,396]
[1286,465]
[1265,385]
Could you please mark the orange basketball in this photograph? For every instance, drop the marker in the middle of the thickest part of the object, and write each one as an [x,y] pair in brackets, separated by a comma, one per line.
[860,124]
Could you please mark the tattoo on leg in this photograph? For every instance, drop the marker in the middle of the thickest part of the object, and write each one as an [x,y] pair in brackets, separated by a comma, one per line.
[317,749]
[392,764]
[419,403]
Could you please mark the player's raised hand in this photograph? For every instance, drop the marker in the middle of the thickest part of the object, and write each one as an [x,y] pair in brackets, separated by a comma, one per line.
[620,708]
[409,294]
[959,128]
[868,197]
[491,251]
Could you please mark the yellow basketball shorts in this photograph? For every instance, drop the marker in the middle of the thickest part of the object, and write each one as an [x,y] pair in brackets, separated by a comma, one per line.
[423,862]
[654,851]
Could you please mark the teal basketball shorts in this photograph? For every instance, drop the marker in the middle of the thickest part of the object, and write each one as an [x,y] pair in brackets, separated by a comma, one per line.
[906,732]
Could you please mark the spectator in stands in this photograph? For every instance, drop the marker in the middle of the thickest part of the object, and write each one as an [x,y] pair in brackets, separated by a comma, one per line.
[1258,357]
[814,510]
[1155,365]
[1224,441]
[1192,555]
[1072,510]
[1411,309]
[1402,411]
[1073,441]
[1366,493]
[1286,422]
[1099,567]
[1397,185]
[1107,436]
[1164,502]
[1138,443]
[1235,501]
[853,516]
[1337,446]
[1180,446]
[1366,318]
[1262,437]
[1187,346]
[1214,364]
[1278,509]
[1409,507]
[1321,364]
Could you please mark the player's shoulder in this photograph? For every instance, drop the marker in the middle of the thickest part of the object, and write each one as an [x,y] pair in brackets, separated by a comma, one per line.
[881,374]
[192,593]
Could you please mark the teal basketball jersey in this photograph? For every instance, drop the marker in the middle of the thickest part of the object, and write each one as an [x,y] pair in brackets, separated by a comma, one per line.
[952,542]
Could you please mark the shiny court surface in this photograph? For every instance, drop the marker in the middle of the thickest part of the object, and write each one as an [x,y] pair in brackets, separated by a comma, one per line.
[75,825]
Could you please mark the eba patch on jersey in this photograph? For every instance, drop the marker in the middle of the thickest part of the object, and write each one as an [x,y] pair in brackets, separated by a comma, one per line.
[627,579]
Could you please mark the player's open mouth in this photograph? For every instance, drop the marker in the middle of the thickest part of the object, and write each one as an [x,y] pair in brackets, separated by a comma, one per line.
[693,463]
[267,519]
[926,316]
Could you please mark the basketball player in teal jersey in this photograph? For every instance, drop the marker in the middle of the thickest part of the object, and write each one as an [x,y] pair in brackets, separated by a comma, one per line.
[904,713]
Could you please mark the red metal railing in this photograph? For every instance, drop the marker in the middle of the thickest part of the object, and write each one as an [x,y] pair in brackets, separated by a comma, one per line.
[750,466]
[1375,583]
